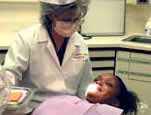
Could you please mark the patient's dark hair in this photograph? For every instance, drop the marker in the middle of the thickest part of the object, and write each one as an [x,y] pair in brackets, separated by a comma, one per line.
[128,99]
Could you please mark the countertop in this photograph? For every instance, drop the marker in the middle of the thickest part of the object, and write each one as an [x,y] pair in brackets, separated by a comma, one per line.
[105,41]
[117,41]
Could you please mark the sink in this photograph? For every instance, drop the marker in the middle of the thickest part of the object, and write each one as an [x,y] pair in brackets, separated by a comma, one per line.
[139,39]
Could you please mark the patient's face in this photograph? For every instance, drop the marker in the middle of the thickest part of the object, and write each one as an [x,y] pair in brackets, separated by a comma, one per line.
[104,89]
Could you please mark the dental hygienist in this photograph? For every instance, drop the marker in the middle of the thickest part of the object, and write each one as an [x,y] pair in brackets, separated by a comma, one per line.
[52,57]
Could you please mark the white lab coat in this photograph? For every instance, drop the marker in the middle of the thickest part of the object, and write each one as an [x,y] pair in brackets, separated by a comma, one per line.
[33,62]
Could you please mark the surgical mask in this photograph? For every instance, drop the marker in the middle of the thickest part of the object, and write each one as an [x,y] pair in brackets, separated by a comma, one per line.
[66,29]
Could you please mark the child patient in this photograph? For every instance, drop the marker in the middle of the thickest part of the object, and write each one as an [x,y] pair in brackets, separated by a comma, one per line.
[106,95]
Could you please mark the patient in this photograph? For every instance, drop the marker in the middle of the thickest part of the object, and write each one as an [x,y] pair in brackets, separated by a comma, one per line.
[107,95]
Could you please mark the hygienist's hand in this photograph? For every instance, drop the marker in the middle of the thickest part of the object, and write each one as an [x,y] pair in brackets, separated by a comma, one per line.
[4,92]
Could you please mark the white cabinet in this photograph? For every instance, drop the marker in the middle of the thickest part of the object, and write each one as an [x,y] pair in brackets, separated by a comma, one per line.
[122,63]
[140,67]
[131,1]
[135,69]
[2,55]
[134,65]
[109,18]
[102,60]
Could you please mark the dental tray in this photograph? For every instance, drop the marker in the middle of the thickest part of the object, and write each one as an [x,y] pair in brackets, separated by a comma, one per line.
[19,97]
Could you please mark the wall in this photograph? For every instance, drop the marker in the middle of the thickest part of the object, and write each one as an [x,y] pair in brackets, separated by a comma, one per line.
[136,17]
[16,16]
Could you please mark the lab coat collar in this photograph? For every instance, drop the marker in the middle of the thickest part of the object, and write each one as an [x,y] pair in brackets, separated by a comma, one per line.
[72,45]
[43,38]
[42,35]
